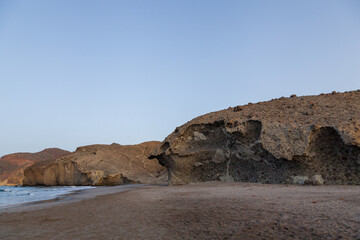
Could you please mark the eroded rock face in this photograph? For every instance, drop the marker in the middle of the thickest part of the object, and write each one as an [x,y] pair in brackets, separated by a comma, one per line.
[99,165]
[12,166]
[303,140]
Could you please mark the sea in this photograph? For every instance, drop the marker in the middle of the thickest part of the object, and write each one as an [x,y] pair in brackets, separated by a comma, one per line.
[12,196]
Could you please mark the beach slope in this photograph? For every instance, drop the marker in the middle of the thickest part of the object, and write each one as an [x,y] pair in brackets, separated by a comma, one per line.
[211,210]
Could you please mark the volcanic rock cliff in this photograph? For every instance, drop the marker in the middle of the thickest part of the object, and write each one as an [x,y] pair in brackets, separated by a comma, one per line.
[99,165]
[310,139]
[12,165]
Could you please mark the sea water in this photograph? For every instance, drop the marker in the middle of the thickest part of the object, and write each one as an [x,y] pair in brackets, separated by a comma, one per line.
[16,195]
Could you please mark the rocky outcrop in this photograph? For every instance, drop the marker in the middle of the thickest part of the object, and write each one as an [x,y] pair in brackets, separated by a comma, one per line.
[310,139]
[12,166]
[99,165]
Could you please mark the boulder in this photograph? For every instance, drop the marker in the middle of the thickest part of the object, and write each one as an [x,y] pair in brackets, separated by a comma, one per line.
[309,139]
[96,165]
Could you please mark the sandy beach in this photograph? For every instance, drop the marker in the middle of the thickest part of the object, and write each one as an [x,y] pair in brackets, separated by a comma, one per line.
[212,210]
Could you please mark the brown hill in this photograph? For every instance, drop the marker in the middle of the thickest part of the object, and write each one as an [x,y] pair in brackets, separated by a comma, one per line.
[99,165]
[12,165]
[310,139]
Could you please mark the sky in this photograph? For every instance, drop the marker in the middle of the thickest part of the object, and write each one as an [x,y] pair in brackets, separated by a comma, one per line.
[74,73]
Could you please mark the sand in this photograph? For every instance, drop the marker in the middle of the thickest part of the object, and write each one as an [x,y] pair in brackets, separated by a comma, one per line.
[211,210]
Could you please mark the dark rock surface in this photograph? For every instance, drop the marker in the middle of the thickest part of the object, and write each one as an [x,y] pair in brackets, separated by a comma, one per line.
[310,139]
[12,165]
[99,165]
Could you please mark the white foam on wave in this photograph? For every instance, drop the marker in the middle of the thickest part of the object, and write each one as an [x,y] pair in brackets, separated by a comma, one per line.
[16,195]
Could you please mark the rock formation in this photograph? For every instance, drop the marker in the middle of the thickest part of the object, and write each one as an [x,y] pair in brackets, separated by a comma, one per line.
[12,165]
[99,165]
[310,139]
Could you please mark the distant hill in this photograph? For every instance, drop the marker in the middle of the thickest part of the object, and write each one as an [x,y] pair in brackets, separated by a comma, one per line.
[12,165]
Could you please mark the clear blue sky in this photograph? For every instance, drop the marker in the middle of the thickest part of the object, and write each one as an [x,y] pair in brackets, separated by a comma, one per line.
[74,73]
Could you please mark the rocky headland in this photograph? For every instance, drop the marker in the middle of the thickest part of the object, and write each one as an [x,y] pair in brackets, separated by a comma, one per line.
[96,165]
[303,140]
[12,165]
[295,140]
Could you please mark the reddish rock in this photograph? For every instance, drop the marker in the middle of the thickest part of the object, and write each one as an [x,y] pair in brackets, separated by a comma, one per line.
[12,165]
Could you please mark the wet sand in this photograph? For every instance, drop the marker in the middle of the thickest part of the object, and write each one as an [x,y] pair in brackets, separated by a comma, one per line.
[212,210]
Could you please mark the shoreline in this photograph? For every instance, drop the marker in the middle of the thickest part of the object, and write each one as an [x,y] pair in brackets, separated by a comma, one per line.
[215,210]
[73,196]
